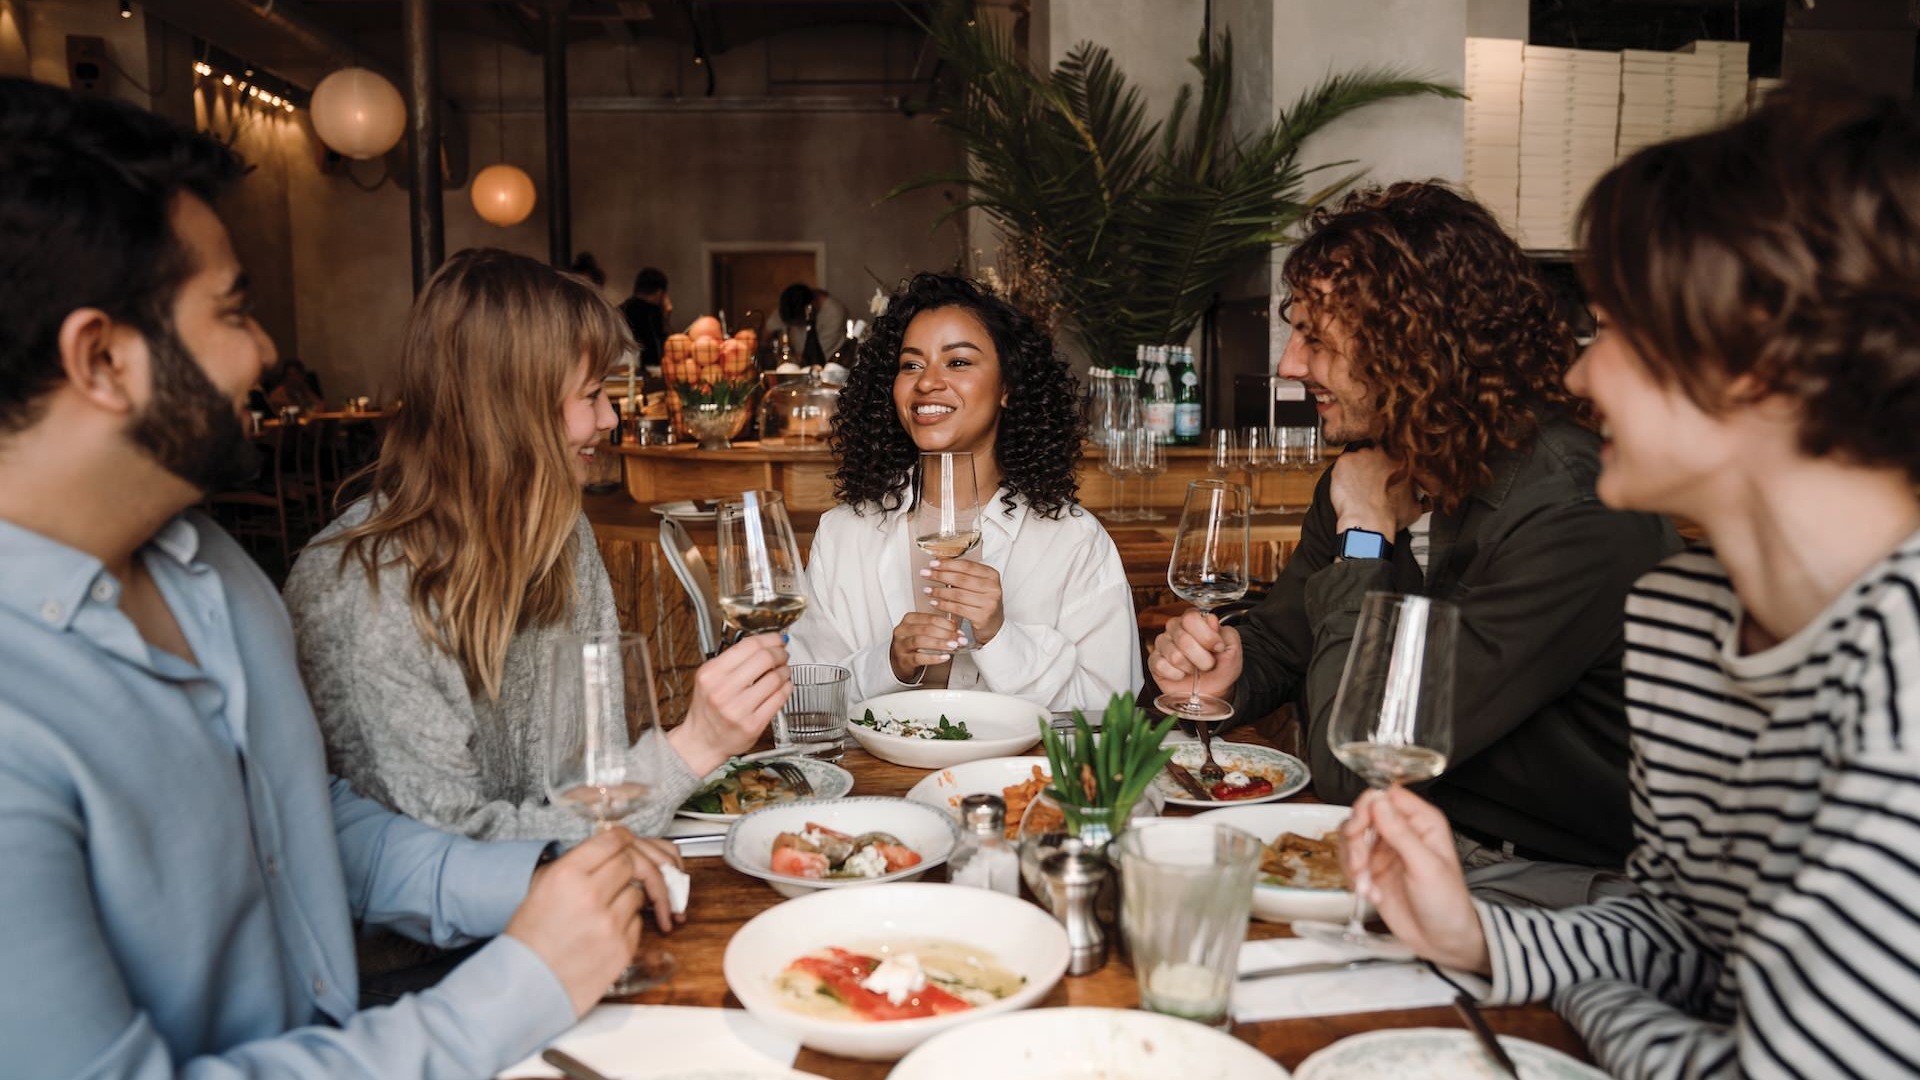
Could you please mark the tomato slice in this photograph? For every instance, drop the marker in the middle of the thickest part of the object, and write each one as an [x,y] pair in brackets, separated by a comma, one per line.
[1255,787]
[842,972]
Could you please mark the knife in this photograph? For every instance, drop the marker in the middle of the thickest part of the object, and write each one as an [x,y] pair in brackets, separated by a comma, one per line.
[1476,1023]
[1324,966]
[1185,779]
[573,1067]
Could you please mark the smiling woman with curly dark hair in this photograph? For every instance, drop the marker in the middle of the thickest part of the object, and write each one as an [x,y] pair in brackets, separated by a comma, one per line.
[952,368]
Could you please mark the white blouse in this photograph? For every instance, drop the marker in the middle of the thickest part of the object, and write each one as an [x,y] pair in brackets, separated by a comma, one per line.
[1067,640]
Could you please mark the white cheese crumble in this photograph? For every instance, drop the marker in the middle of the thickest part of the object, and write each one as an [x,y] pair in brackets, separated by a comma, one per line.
[897,977]
[867,862]
[1237,779]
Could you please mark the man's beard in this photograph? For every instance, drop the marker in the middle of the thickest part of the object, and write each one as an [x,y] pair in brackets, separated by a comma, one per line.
[189,427]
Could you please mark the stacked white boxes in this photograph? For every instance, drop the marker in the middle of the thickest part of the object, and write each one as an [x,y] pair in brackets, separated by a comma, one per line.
[1493,125]
[1758,89]
[1731,98]
[1664,95]
[1569,115]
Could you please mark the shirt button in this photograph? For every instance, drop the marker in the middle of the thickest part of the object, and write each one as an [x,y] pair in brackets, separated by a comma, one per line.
[50,611]
[273,866]
[319,986]
[103,591]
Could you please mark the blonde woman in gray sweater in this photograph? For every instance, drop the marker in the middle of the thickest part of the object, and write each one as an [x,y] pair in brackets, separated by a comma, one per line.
[423,614]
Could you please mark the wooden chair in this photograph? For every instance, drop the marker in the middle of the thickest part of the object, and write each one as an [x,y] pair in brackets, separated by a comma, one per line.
[690,567]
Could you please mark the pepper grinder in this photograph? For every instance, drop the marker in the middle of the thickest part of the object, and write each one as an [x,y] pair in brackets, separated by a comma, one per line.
[1073,882]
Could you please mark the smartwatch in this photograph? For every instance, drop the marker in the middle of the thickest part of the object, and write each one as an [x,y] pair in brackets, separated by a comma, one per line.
[1363,544]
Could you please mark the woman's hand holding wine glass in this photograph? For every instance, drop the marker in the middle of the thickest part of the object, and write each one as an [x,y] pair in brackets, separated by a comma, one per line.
[946,526]
[735,696]
[1401,847]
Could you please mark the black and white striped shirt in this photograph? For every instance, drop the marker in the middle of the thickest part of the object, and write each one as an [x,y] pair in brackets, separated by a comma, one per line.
[1775,930]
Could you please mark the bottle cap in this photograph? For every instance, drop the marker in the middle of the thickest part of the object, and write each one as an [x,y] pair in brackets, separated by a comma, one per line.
[984,813]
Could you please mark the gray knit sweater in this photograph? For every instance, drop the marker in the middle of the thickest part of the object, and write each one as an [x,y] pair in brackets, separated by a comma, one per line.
[400,723]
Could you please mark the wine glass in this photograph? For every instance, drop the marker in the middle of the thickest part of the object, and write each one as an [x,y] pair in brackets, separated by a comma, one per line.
[1262,446]
[1301,450]
[1392,719]
[1117,464]
[1208,569]
[1223,454]
[604,751]
[762,582]
[1149,460]
[946,514]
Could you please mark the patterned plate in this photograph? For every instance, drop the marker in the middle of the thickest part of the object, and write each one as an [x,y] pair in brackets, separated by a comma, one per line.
[1436,1054]
[1288,773]
[829,781]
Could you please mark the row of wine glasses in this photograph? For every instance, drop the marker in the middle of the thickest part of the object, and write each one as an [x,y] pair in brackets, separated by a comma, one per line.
[1129,454]
[1255,450]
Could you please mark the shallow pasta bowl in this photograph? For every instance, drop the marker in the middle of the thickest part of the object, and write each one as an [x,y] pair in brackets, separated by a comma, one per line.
[927,830]
[999,725]
[1015,934]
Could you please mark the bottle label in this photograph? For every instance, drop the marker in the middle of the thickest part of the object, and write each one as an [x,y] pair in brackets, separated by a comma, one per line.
[1160,419]
[1186,421]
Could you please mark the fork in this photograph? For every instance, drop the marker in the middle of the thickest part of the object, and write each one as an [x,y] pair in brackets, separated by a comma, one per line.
[797,780]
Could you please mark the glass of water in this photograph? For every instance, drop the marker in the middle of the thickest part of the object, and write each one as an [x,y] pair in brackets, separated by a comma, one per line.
[815,718]
[1185,891]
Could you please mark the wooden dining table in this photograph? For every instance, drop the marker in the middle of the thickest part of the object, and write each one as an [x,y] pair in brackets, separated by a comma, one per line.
[723,900]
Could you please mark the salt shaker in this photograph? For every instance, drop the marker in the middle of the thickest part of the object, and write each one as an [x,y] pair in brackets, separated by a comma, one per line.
[1073,882]
[983,858]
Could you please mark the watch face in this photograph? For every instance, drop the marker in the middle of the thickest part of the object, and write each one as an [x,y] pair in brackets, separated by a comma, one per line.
[1362,544]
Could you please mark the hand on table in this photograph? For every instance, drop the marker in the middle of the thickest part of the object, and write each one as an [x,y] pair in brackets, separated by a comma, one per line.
[582,913]
[1195,646]
[735,696]
[1399,852]
[972,592]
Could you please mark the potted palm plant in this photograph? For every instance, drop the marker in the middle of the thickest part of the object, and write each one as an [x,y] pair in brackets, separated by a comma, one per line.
[1118,229]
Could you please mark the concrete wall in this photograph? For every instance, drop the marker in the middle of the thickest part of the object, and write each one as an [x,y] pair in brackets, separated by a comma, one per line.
[1151,40]
[1498,19]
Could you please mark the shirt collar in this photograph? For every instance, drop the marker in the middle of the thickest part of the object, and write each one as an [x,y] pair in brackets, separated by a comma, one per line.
[47,582]
[1506,472]
[1008,522]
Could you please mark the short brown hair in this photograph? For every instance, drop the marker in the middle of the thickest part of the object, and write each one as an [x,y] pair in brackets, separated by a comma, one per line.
[1452,328]
[1784,248]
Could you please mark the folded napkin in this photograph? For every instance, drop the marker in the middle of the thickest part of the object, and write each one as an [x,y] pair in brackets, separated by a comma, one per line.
[638,1042]
[1367,989]
[679,885]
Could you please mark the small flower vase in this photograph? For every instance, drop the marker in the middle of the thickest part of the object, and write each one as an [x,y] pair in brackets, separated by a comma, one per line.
[1049,826]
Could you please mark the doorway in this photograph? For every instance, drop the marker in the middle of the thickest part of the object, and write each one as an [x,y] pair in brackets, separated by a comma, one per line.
[744,280]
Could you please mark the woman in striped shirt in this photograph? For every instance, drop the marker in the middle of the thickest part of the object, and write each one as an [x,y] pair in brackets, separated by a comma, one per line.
[1757,367]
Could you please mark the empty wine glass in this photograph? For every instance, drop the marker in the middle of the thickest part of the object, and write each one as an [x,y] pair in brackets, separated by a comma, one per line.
[1263,454]
[1149,461]
[604,751]
[1223,454]
[762,582]
[946,514]
[1208,569]
[1300,452]
[1392,718]
[1118,465]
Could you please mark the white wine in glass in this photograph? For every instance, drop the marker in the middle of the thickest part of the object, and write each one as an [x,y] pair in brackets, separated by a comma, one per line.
[1392,719]
[946,514]
[762,582]
[604,751]
[1208,568]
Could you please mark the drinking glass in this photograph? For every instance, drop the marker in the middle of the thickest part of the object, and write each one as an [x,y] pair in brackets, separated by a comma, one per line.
[604,751]
[1263,454]
[762,582]
[1392,718]
[1223,454]
[1208,568]
[946,515]
[1301,451]
[1149,460]
[815,718]
[1117,465]
[1185,891]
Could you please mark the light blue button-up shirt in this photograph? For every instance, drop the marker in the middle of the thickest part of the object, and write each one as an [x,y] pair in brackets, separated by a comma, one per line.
[179,878]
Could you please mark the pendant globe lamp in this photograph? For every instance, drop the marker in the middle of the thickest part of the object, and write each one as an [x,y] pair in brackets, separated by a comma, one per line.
[357,113]
[502,194]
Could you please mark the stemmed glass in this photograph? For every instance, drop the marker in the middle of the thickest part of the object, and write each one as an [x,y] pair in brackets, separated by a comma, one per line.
[1117,465]
[1223,454]
[762,582]
[1149,460]
[604,751]
[1262,446]
[946,513]
[1208,569]
[1300,453]
[1392,719]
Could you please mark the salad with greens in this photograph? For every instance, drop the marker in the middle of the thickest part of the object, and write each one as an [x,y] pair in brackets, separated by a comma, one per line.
[945,730]
[744,786]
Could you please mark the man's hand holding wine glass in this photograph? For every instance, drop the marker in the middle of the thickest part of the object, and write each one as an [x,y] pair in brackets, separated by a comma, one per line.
[1399,850]
[582,914]
[1195,649]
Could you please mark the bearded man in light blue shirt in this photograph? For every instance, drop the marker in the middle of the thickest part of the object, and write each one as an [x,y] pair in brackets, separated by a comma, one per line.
[181,880]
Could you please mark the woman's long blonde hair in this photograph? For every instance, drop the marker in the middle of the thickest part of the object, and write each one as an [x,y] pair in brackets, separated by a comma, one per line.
[473,491]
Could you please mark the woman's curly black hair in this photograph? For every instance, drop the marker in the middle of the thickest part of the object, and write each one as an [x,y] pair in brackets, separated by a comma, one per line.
[1041,430]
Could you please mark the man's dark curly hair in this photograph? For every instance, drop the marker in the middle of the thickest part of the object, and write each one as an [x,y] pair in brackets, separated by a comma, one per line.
[1451,327]
[1038,442]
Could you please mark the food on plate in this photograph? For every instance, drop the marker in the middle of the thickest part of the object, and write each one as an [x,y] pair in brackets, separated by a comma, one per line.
[1241,783]
[1017,796]
[904,981]
[820,853]
[917,729]
[1303,862]
[744,787]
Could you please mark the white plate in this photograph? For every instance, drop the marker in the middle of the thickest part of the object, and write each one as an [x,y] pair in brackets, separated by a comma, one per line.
[926,830]
[1086,1044]
[686,510]
[1285,903]
[829,781]
[1436,1054]
[1019,935]
[1230,755]
[1000,726]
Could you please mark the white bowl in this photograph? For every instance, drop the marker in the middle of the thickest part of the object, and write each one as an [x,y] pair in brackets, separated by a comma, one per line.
[749,847]
[1020,936]
[1284,903]
[1000,725]
[992,776]
[1067,1044]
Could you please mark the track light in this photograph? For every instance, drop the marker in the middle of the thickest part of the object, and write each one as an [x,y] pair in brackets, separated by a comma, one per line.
[226,80]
